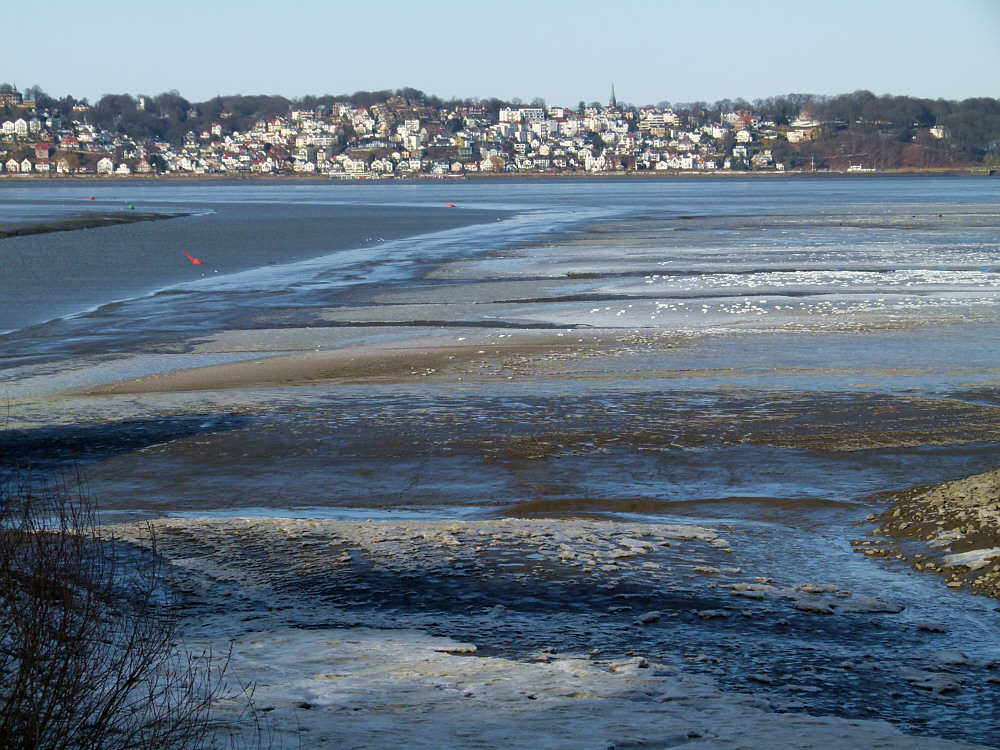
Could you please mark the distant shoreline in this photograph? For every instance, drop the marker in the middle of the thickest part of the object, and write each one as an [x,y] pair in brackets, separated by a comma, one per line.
[643,175]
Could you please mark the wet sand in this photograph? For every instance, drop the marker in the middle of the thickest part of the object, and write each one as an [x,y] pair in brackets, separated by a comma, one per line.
[430,357]
[518,620]
[89,220]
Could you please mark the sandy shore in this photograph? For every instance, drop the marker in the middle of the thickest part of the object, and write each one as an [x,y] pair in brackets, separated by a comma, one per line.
[432,356]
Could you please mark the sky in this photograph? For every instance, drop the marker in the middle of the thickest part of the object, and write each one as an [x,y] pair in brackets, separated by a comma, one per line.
[563,51]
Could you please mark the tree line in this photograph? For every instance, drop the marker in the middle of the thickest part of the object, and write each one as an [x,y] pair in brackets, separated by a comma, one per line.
[886,129]
[169,116]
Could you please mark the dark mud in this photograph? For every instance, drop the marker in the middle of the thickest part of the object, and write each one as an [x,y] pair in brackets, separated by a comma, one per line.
[602,453]
[84,221]
[47,451]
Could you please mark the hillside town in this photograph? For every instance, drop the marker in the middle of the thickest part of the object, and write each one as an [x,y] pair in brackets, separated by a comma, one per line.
[403,137]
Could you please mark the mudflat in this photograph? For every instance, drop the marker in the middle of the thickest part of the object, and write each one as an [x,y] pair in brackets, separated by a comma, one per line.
[579,463]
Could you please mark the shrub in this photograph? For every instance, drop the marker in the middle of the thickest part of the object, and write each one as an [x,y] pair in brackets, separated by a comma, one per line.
[88,635]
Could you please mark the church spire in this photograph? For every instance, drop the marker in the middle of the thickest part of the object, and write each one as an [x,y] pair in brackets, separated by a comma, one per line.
[614,102]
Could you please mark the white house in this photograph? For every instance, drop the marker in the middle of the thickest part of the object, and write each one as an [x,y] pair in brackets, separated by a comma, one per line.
[354,166]
[105,166]
[123,168]
[595,164]
[382,166]
[13,165]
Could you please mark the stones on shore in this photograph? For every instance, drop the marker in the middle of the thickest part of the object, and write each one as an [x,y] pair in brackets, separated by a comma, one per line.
[952,529]
[648,618]
[711,614]
[938,682]
[932,627]
[457,649]
[814,598]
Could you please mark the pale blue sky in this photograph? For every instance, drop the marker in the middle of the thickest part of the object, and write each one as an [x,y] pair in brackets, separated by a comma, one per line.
[559,50]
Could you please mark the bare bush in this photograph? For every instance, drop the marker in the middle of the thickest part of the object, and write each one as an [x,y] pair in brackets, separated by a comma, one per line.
[88,636]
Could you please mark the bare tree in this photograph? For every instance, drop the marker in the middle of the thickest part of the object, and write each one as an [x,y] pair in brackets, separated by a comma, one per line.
[88,636]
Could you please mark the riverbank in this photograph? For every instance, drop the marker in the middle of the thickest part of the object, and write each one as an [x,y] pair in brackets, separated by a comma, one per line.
[967,171]
[952,529]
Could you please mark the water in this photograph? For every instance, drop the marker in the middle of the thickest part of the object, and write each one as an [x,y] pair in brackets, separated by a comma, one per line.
[289,245]
[757,356]
[230,228]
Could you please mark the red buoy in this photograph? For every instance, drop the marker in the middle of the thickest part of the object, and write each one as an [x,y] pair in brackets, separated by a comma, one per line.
[194,260]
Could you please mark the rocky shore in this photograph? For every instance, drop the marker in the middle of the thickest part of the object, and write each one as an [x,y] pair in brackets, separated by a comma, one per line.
[952,529]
